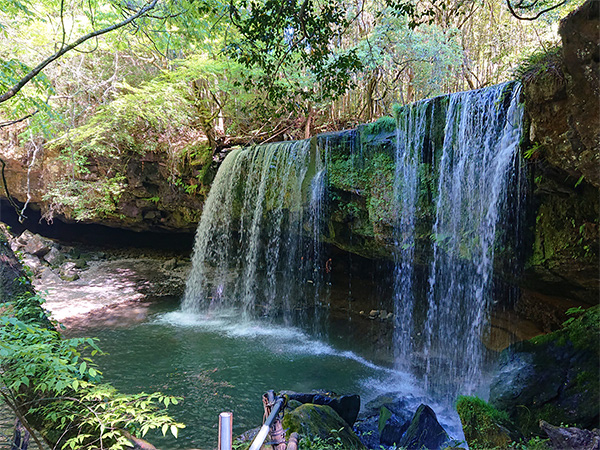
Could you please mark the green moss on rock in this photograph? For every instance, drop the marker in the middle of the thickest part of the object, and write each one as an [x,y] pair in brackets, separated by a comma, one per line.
[483,425]
[321,422]
[554,377]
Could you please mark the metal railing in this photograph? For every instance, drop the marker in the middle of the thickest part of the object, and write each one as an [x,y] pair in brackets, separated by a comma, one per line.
[272,425]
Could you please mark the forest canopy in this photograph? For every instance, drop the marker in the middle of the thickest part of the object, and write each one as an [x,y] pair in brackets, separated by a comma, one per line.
[109,78]
[355,58]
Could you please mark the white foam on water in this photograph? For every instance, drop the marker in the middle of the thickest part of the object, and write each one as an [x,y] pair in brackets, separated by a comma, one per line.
[284,339]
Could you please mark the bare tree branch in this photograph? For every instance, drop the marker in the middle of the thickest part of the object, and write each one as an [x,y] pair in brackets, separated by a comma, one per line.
[12,122]
[536,16]
[65,48]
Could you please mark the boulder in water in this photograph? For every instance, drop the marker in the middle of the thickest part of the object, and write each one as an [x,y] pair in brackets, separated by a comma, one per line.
[384,420]
[391,427]
[388,421]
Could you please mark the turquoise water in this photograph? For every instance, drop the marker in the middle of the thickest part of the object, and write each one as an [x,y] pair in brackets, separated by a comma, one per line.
[217,364]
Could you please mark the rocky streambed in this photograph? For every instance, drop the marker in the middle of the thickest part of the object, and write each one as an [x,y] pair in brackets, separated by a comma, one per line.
[86,283]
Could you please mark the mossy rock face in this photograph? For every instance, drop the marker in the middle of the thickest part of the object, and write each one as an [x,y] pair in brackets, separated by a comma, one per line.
[483,425]
[320,421]
[361,184]
[553,377]
[564,258]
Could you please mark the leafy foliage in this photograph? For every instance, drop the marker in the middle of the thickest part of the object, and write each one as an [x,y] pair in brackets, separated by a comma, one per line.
[84,200]
[296,34]
[52,386]
[582,329]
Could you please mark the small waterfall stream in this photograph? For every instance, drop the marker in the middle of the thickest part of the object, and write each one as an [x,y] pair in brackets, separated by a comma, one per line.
[259,244]
[410,140]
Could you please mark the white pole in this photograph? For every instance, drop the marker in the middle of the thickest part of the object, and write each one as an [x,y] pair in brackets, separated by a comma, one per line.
[260,438]
[225,431]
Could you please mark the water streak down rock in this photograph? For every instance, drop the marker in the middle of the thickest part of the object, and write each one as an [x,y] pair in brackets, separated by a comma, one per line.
[479,157]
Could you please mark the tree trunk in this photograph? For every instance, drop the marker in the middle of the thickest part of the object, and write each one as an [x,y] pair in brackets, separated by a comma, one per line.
[21,437]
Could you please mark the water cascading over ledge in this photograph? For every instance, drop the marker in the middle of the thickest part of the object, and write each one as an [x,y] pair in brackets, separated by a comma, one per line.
[255,249]
[440,324]
[430,195]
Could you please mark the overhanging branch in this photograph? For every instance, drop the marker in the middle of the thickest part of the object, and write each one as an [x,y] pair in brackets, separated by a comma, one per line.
[65,48]
[12,122]
[536,16]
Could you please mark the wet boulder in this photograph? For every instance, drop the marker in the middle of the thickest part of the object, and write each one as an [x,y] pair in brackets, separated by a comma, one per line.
[552,377]
[391,427]
[384,420]
[424,431]
[388,422]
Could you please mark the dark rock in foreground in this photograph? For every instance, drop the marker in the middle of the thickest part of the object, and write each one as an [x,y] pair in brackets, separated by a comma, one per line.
[388,422]
[424,431]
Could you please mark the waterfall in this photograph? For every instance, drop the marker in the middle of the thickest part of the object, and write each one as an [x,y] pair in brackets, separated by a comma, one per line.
[480,149]
[410,140]
[250,252]
[259,244]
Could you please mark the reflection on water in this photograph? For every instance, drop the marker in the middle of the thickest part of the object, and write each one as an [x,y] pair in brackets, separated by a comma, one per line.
[217,365]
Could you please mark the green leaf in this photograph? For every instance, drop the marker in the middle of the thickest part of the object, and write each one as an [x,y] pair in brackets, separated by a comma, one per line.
[174,430]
